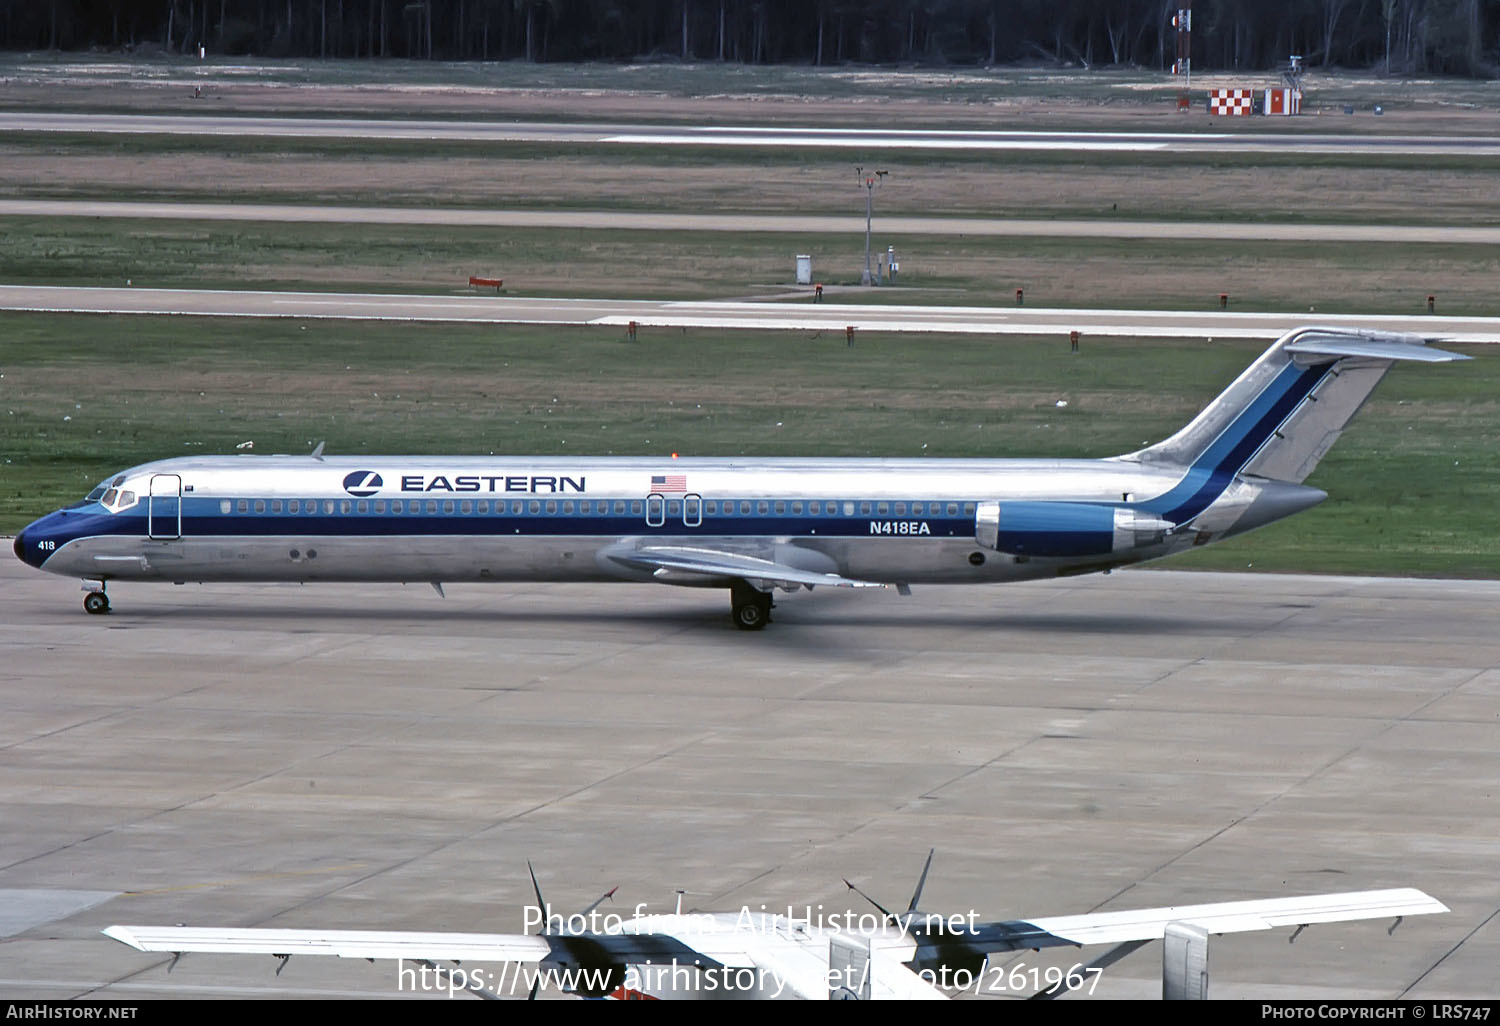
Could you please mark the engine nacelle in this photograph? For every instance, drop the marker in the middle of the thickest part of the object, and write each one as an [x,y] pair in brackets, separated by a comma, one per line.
[1060,529]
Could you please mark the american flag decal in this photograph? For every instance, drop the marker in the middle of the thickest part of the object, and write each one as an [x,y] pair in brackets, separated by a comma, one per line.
[669,482]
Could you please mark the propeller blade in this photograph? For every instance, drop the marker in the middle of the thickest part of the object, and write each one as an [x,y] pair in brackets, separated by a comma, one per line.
[608,895]
[883,910]
[917,894]
[541,903]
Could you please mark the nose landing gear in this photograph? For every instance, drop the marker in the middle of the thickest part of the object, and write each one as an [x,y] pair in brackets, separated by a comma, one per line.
[96,602]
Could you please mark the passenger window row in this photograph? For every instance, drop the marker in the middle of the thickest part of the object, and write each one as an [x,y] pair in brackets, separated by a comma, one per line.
[587,507]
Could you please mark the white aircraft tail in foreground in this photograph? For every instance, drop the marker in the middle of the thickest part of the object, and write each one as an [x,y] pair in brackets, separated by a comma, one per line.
[749,525]
[753,955]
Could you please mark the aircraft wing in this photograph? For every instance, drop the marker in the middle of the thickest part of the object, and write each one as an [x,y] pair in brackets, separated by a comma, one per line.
[1150,924]
[667,561]
[455,947]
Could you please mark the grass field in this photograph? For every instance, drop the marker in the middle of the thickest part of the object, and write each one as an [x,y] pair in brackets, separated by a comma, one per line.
[1099,273]
[1331,188]
[731,93]
[1413,484]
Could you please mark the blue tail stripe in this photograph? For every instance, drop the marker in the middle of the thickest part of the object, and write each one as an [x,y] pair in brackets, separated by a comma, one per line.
[1213,471]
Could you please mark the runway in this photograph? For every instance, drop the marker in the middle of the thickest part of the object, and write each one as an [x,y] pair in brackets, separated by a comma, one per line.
[801,315]
[750,136]
[630,220]
[380,757]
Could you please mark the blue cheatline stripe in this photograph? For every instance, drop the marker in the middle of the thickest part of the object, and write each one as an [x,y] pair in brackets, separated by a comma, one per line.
[378,525]
[1215,469]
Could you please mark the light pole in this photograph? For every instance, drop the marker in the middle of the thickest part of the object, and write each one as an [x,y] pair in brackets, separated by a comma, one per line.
[870,181]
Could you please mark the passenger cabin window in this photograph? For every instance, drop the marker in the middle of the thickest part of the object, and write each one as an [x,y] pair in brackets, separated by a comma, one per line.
[242,506]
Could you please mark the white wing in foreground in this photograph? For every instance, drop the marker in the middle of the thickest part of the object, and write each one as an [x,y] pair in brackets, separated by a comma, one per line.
[487,947]
[1240,916]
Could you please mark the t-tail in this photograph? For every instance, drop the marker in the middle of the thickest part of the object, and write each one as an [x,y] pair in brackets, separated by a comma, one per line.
[1245,456]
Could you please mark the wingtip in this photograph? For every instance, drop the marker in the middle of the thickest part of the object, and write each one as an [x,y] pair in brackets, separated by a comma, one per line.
[123,934]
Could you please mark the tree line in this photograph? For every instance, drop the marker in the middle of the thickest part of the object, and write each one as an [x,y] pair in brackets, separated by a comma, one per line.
[1396,36]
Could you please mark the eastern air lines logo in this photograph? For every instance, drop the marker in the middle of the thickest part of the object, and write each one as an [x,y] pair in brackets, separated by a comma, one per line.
[362,483]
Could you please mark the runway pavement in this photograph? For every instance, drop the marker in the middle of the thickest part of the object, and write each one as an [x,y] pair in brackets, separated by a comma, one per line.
[368,757]
[629,220]
[801,315]
[751,135]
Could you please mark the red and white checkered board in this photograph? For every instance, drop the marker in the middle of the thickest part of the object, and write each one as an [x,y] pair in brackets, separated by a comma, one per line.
[1231,102]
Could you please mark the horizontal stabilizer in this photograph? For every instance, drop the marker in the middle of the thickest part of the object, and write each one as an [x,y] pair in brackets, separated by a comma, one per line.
[1391,348]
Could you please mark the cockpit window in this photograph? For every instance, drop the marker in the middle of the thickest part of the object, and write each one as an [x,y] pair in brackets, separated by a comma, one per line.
[116,499]
[94,495]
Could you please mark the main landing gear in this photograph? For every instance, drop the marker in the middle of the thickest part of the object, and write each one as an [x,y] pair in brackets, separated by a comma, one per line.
[96,602]
[750,607]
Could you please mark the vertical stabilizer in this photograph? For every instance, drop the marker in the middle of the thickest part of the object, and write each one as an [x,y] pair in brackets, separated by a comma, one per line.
[1280,416]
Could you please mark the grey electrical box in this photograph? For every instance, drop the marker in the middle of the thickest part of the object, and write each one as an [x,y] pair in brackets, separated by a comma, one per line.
[804,269]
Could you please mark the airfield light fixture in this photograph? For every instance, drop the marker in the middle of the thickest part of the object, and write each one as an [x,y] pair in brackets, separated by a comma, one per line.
[869,180]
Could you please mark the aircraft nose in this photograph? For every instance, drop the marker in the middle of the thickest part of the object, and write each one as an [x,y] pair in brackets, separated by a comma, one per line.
[20,545]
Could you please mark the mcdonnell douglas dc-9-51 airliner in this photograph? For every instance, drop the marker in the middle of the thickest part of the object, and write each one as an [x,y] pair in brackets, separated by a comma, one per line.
[750,525]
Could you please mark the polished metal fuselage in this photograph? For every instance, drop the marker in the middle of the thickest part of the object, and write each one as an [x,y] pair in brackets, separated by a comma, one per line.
[234,519]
